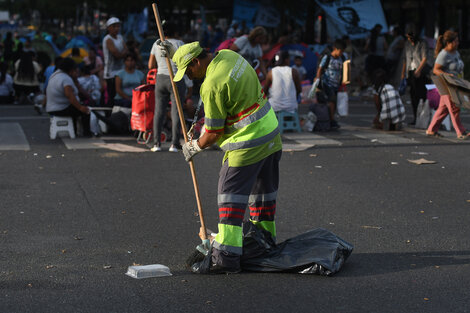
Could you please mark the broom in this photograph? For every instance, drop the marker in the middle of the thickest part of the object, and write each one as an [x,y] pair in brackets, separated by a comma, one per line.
[203,249]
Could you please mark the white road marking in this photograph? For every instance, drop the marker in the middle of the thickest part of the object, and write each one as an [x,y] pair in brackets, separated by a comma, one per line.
[82,143]
[120,147]
[384,138]
[310,139]
[375,135]
[12,137]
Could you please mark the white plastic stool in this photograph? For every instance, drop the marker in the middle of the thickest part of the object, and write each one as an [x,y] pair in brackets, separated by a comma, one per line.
[61,124]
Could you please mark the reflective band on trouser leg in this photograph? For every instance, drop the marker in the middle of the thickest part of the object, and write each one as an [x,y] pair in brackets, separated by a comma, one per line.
[262,197]
[262,215]
[235,185]
[262,200]
[231,212]
[270,226]
[229,238]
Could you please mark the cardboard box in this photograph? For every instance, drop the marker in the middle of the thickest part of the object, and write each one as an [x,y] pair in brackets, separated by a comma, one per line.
[456,81]
[460,97]
[457,88]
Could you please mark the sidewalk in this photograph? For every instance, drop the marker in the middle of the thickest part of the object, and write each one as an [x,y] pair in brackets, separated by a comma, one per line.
[21,128]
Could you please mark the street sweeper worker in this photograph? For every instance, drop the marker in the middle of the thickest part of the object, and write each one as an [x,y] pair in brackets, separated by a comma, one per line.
[240,120]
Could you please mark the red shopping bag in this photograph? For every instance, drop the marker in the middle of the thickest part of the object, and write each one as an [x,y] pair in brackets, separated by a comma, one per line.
[143,107]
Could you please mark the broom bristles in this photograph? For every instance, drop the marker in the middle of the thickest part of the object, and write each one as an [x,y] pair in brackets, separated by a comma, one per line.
[195,257]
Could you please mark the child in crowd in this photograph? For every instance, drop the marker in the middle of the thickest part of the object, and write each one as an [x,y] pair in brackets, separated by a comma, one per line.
[330,72]
[299,67]
[390,109]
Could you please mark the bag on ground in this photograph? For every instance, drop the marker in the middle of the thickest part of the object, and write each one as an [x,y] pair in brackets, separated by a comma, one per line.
[310,120]
[94,123]
[342,103]
[117,123]
[317,251]
[392,106]
[423,115]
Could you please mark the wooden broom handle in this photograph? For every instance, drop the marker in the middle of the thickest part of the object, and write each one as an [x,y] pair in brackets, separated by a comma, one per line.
[202,233]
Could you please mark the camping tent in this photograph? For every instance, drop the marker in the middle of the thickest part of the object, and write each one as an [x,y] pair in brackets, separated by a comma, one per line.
[49,40]
[79,42]
[77,59]
[42,45]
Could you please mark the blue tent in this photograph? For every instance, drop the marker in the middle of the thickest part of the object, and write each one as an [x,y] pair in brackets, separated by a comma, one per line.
[86,40]
[80,42]
[49,40]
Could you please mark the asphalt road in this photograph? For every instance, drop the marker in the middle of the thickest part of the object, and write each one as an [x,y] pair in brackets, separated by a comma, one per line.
[72,221]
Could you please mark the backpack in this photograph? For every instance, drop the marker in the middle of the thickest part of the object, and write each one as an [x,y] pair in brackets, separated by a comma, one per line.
[327,63]
[320,95]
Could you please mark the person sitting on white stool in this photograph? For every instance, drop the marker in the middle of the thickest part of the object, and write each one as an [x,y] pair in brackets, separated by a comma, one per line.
[62,95]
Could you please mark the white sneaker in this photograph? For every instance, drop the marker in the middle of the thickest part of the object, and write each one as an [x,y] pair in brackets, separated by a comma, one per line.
[156,148]
[173,149]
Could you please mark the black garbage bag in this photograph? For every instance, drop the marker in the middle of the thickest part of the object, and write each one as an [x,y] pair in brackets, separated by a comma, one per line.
[118,123]
[318,251]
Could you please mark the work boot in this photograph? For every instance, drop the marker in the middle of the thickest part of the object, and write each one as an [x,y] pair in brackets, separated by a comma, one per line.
[218,269]
[223,262]
[230,263]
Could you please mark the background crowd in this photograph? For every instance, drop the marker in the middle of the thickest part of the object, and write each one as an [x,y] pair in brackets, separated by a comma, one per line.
[104,71]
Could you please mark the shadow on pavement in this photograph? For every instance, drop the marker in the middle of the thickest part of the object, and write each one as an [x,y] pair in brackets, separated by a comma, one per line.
[368,264]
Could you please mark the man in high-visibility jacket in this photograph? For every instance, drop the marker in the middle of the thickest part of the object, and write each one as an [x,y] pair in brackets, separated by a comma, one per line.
[240,120]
